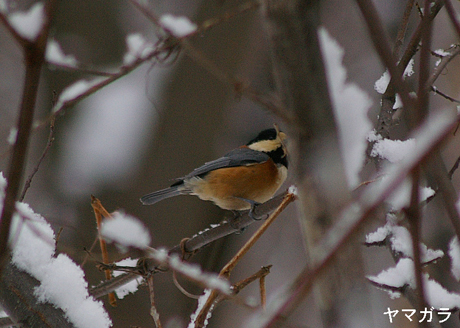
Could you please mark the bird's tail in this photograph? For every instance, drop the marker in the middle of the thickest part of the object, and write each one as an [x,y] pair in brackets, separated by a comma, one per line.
[156,196]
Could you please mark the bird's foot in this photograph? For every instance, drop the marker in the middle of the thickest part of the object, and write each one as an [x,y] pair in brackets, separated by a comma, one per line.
[235,222]
[253,204]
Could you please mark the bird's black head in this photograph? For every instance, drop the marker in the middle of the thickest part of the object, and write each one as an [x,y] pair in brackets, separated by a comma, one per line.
[270,141]
[268,134]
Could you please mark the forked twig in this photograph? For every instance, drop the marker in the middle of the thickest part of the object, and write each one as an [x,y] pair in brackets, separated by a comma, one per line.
[351,221]
[227,269]
[269,102]
[34,57]
[99,212]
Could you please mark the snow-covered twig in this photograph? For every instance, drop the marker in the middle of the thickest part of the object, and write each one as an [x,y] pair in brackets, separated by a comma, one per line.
[34,53]
[272,103]
[442,63]
[352,218]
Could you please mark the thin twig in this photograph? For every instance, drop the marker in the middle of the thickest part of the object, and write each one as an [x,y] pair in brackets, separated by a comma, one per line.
[453,16]
[403,28]
[262,273]
[414,42]
[442,94]
[164,49]
[49,143]
[89,251]
[273,104]
[100,211]
[193,244]
[414,218]
[351,220]
[153,310]
[263,292]
[80,69]
[182,289]
[227,269]
[454,168]
[442,65]
[226,16]
[381,44]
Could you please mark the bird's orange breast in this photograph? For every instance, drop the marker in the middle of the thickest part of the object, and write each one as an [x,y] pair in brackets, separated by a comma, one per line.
[257,182]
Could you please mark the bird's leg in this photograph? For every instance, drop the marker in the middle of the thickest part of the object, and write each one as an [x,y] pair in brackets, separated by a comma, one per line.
[254,204]
[234,221]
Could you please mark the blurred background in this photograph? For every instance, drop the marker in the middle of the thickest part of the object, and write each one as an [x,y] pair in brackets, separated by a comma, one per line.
[162,120]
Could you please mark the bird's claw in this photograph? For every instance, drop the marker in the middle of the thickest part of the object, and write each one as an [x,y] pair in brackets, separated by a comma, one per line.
[254,204]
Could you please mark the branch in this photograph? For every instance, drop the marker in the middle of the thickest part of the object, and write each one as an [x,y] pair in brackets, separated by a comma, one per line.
[414,218]
[403,28]
[228,268]
[153,309]
[453,16]
[351,220]
[382,46]
[22,305]
[269,102]
[193,244]
[443,64]
[34,53]
[99,212]
[226,228]
[49,143]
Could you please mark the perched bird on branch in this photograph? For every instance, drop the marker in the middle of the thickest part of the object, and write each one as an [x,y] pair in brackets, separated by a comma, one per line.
[241,179]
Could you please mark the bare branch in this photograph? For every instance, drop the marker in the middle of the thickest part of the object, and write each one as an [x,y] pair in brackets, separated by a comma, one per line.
[352,219]
[227,269]
[100,211]
[443,64]
[34,53]
[453,16]
[403,28]
[442,94]
[153,309]
[414,217]
[49,143]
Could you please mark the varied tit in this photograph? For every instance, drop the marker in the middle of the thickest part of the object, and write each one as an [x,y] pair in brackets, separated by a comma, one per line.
[239,180]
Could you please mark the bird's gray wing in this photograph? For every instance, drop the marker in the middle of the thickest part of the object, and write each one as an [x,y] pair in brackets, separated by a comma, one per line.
[237,157]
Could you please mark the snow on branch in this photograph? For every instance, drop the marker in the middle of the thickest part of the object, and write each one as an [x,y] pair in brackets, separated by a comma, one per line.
[400,241]
[395,279]
[138,48]
[27,24]
[33,251]
[191,271]
[179,26]
[428,136]
[125,231]
[54,55]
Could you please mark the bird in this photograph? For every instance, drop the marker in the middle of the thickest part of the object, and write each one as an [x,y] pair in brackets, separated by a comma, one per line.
[239,180]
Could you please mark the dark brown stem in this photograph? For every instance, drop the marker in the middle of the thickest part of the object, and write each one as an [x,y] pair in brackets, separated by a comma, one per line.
[453,16]
[414,218]
[34,57]
[403,28]
[40,160]
[382,46]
